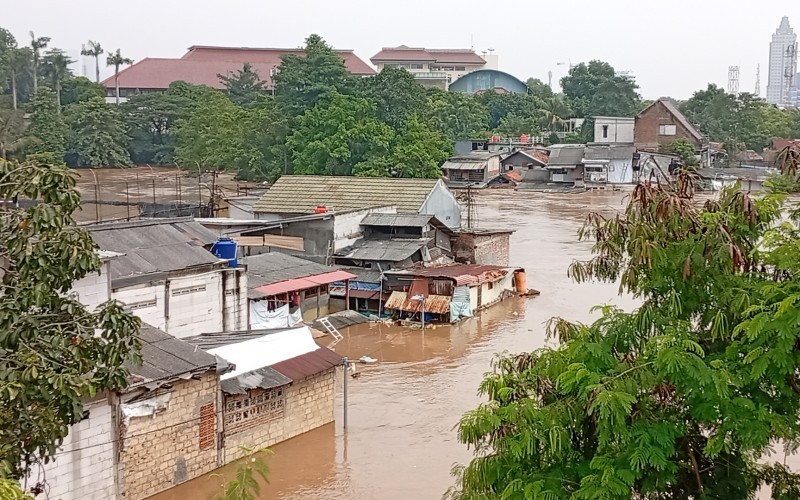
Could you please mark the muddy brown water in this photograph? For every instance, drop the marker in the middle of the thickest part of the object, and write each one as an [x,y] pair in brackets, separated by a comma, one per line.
[400,442]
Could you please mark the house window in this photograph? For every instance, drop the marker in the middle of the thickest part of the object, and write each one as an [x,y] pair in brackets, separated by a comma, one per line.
[667,130]
[491,285]
[256,407]
[144,304]
[461,68]
[605,131]
[188,290]
[414,66]
[208,426]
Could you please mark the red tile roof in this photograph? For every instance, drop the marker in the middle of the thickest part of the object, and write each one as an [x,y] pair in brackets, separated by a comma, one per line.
[441,56]
[308,364]
[201,65]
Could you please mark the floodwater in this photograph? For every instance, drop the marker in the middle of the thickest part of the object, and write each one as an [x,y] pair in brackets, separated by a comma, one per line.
[400,442]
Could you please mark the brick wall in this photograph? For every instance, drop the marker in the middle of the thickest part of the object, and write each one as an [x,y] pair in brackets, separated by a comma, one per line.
[309,404]
[84,466]
[646,135]
[158,452]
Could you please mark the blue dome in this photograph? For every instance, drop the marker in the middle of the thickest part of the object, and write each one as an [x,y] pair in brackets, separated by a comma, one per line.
[488,79]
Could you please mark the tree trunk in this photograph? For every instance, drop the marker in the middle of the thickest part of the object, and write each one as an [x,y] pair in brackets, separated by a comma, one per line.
[58,97]
[35,78]
[116,83]
[14,88]
[97,68]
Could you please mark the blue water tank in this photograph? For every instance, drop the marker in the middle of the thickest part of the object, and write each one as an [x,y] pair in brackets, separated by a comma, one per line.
[225,248]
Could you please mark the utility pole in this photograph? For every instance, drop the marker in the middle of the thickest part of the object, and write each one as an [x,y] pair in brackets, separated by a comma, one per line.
[345,365]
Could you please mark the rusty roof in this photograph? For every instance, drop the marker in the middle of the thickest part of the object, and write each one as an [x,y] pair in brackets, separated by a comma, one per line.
[462,274]
[308,364]
[436,304]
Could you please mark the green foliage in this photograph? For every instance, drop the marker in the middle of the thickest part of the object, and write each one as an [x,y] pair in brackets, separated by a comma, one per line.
[245,485]
[396,94]
[677,399]
[783,183]
[539,89]
[55,69]
[79,89]
[513,125]
[302,81]
[54,351]
[47,125]
[336,135]
[594,89]
[94,49]
[14,135]
[151,120]
[554,111]
[501,106]
[96,135]
[245,87]
[10,490]
[417,152]
[8,44]
[457,116]
[685,149]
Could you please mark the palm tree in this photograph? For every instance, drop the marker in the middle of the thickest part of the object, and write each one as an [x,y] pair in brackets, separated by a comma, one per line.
[37,44]
[554,110]
[13,132]
[19,63]
[95,50]
[56,70]
[117,60]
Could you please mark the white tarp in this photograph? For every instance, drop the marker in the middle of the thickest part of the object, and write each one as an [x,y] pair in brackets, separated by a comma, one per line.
[145,408]
[261,318]
[266,351]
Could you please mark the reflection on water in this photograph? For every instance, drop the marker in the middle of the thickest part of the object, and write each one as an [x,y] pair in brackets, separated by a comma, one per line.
[400,442]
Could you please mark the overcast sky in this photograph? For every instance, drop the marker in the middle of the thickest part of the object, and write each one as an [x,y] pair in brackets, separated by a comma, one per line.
[673,47]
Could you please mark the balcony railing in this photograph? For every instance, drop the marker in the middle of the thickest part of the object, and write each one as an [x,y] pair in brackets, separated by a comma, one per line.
[431,75]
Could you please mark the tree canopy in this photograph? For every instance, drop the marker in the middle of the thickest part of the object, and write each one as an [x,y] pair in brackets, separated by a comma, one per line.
[595,89]
[677,399]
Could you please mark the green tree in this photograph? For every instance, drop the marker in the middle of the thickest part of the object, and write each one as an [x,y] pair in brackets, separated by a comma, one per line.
[302,80]
[456,115]
[151,120]
[55,69]
[513,126]
[8,44]
[116,59]
[539,89]
[94,49]
[677,399]
[685,149]
[96,135]
[336,135]
[396,94]
[594,89]
[245,87]
[499,106]
[55,352]
[418,151]
[47,126]
[14,136]
[19,66]
[554,111]
[245,485]
[79,89]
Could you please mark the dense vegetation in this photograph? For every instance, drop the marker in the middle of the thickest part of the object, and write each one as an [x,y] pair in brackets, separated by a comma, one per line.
[318,119]
[680,398]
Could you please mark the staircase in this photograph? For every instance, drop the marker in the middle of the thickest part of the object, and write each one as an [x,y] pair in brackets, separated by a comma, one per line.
[337,337]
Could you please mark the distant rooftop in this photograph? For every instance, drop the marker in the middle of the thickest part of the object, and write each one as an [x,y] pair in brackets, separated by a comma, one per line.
[419,54]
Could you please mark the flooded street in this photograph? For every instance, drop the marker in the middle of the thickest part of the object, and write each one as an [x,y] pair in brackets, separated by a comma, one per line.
[400,442]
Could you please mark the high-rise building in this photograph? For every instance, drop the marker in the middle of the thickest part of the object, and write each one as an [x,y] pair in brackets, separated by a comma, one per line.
[782,59]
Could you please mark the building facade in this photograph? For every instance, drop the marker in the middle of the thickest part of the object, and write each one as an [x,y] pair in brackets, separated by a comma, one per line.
[660,124]
[433,67]
[613,129]
[782,64]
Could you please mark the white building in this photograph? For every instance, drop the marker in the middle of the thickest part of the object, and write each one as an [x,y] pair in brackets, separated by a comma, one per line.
[611,130]
[434,67]
[782,59]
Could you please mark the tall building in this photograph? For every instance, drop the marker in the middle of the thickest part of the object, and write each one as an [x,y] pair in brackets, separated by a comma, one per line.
[782,59]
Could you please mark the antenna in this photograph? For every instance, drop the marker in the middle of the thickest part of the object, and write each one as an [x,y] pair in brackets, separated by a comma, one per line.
[733,80]
[758,80]
[471,42]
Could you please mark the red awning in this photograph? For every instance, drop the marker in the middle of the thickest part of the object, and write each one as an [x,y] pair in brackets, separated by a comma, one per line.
[298,284]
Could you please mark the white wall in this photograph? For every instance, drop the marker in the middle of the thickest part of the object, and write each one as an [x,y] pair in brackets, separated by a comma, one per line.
[93,289]
[619,130]
[234,314]
[620,171]
[347,226]
[84,466]
[443,205]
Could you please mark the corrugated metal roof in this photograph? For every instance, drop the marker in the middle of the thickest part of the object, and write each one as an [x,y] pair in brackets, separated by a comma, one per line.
[537,157]
[566,155]
[462,274]
[274,267]
[308,364]
[394,220]
[436,304]
[365,275]
[263,378]
[297,284]
[464,165]
[383,250]
[343,319]
[609,152]
[152,247]
[165,357]
[301,194]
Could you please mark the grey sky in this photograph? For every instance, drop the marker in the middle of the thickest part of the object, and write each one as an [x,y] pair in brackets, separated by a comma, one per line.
[673,47]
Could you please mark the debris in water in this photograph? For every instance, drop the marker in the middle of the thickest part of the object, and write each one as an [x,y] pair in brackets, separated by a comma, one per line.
[367,359]
[531,293]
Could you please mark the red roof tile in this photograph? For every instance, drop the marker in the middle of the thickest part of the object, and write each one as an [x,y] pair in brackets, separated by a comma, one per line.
[308,364]
[441,56]
[201,65]
[465,56]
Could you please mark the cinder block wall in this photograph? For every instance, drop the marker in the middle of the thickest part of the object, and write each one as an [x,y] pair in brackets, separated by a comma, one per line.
[161,451]
[309,404]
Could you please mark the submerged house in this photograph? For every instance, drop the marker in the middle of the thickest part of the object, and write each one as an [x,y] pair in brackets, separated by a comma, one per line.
[608,164]
[450,292]
[298,195]
[284,290]
[475,168]
[282,386]
[566,164]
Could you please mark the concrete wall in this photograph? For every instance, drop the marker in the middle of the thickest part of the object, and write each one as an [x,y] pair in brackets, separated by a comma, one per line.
[93,289]
[162,450]
[309,404]
[617,129]
[184,306]
[314,307]
[443,205]
[620,171]
[494,167]
[347,226]
[490,249]
[84,465]
[494,292]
